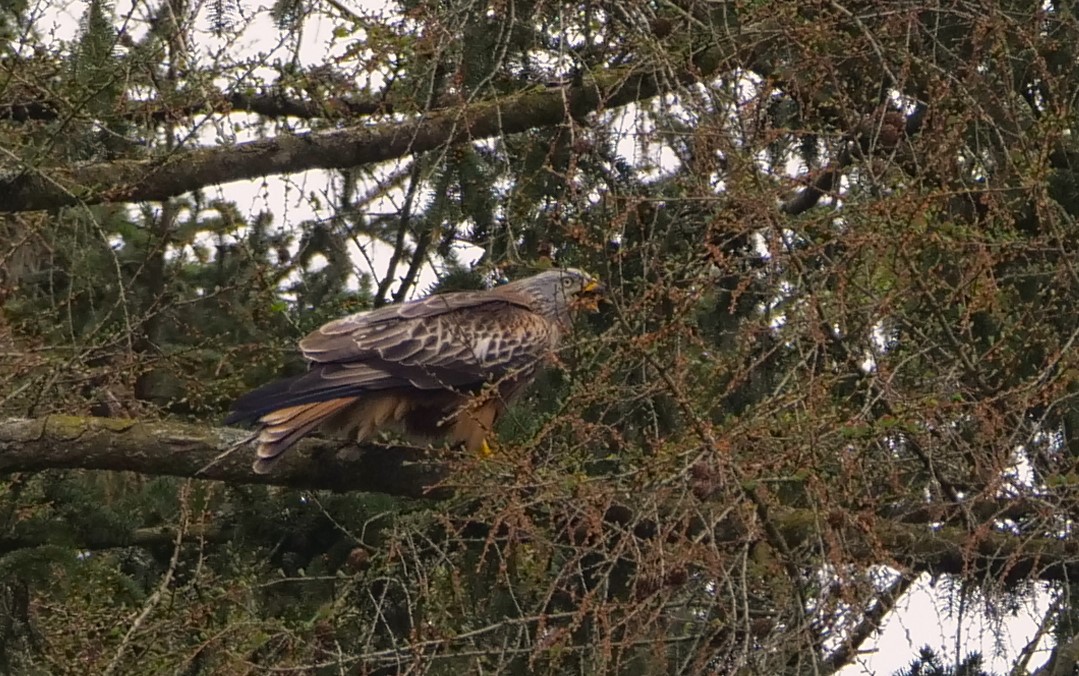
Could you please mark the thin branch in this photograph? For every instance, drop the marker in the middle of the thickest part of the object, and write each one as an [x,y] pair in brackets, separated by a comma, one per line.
[159,593]
[1064,659]
[863,139]
[268,104]
[95,541]
[822,184]
[1021,664]
[869,624]
[415,174]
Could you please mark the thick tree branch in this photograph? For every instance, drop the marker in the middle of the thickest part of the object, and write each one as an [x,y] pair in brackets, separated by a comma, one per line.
[185,450]
[911,548]
[177,449]
[160,178]
[947,550]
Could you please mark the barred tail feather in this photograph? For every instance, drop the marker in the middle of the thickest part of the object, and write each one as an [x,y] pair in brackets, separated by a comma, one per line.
[284,427]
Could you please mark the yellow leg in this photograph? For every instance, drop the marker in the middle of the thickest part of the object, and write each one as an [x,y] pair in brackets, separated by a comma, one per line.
[485,449]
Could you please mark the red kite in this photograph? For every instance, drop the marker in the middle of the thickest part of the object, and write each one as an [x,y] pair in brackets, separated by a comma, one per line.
[443,366]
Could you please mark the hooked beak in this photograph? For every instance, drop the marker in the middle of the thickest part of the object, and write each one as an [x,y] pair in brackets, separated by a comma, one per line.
[591,294]
[594,287]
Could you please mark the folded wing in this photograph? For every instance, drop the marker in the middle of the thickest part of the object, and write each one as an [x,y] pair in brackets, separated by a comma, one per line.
[375,367]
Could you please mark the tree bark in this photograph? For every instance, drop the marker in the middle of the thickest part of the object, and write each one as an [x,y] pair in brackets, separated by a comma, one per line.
[182,450]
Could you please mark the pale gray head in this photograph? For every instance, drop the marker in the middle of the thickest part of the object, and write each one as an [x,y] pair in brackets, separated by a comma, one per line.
[555,293]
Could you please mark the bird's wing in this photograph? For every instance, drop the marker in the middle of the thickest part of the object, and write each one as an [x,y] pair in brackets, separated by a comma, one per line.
[450,349]
[363,335]
[457,341]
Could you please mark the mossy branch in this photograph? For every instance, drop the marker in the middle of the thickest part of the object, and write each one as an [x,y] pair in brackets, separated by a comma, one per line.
[194,451]
[197,451]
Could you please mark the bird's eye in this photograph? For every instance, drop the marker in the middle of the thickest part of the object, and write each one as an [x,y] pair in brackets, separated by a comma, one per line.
[567,281]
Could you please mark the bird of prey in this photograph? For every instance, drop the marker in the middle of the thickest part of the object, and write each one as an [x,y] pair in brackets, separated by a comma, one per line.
[442,366]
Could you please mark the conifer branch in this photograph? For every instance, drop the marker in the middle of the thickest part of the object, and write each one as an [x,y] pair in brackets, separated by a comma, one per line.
[153,536]
[187,450]
[155,179]
[272,104]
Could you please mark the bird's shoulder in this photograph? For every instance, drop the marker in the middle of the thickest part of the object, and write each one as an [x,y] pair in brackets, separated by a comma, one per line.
[447,318]
[507,303]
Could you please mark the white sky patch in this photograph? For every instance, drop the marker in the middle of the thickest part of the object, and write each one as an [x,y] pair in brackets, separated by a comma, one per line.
[920,618]
[637,144]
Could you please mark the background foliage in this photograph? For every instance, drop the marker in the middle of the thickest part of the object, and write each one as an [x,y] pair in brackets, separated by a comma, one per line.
[840,352]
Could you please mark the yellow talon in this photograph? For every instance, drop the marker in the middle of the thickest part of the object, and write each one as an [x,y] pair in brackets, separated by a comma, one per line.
[485,450]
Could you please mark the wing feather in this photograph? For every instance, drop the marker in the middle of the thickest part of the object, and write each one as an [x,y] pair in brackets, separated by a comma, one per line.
[487,333]
[457,341]
[413,364]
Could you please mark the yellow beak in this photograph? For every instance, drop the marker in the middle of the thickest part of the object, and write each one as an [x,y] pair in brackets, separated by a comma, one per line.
[592,293]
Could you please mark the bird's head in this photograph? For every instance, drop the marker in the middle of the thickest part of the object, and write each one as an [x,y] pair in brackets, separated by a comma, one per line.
[561,291]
